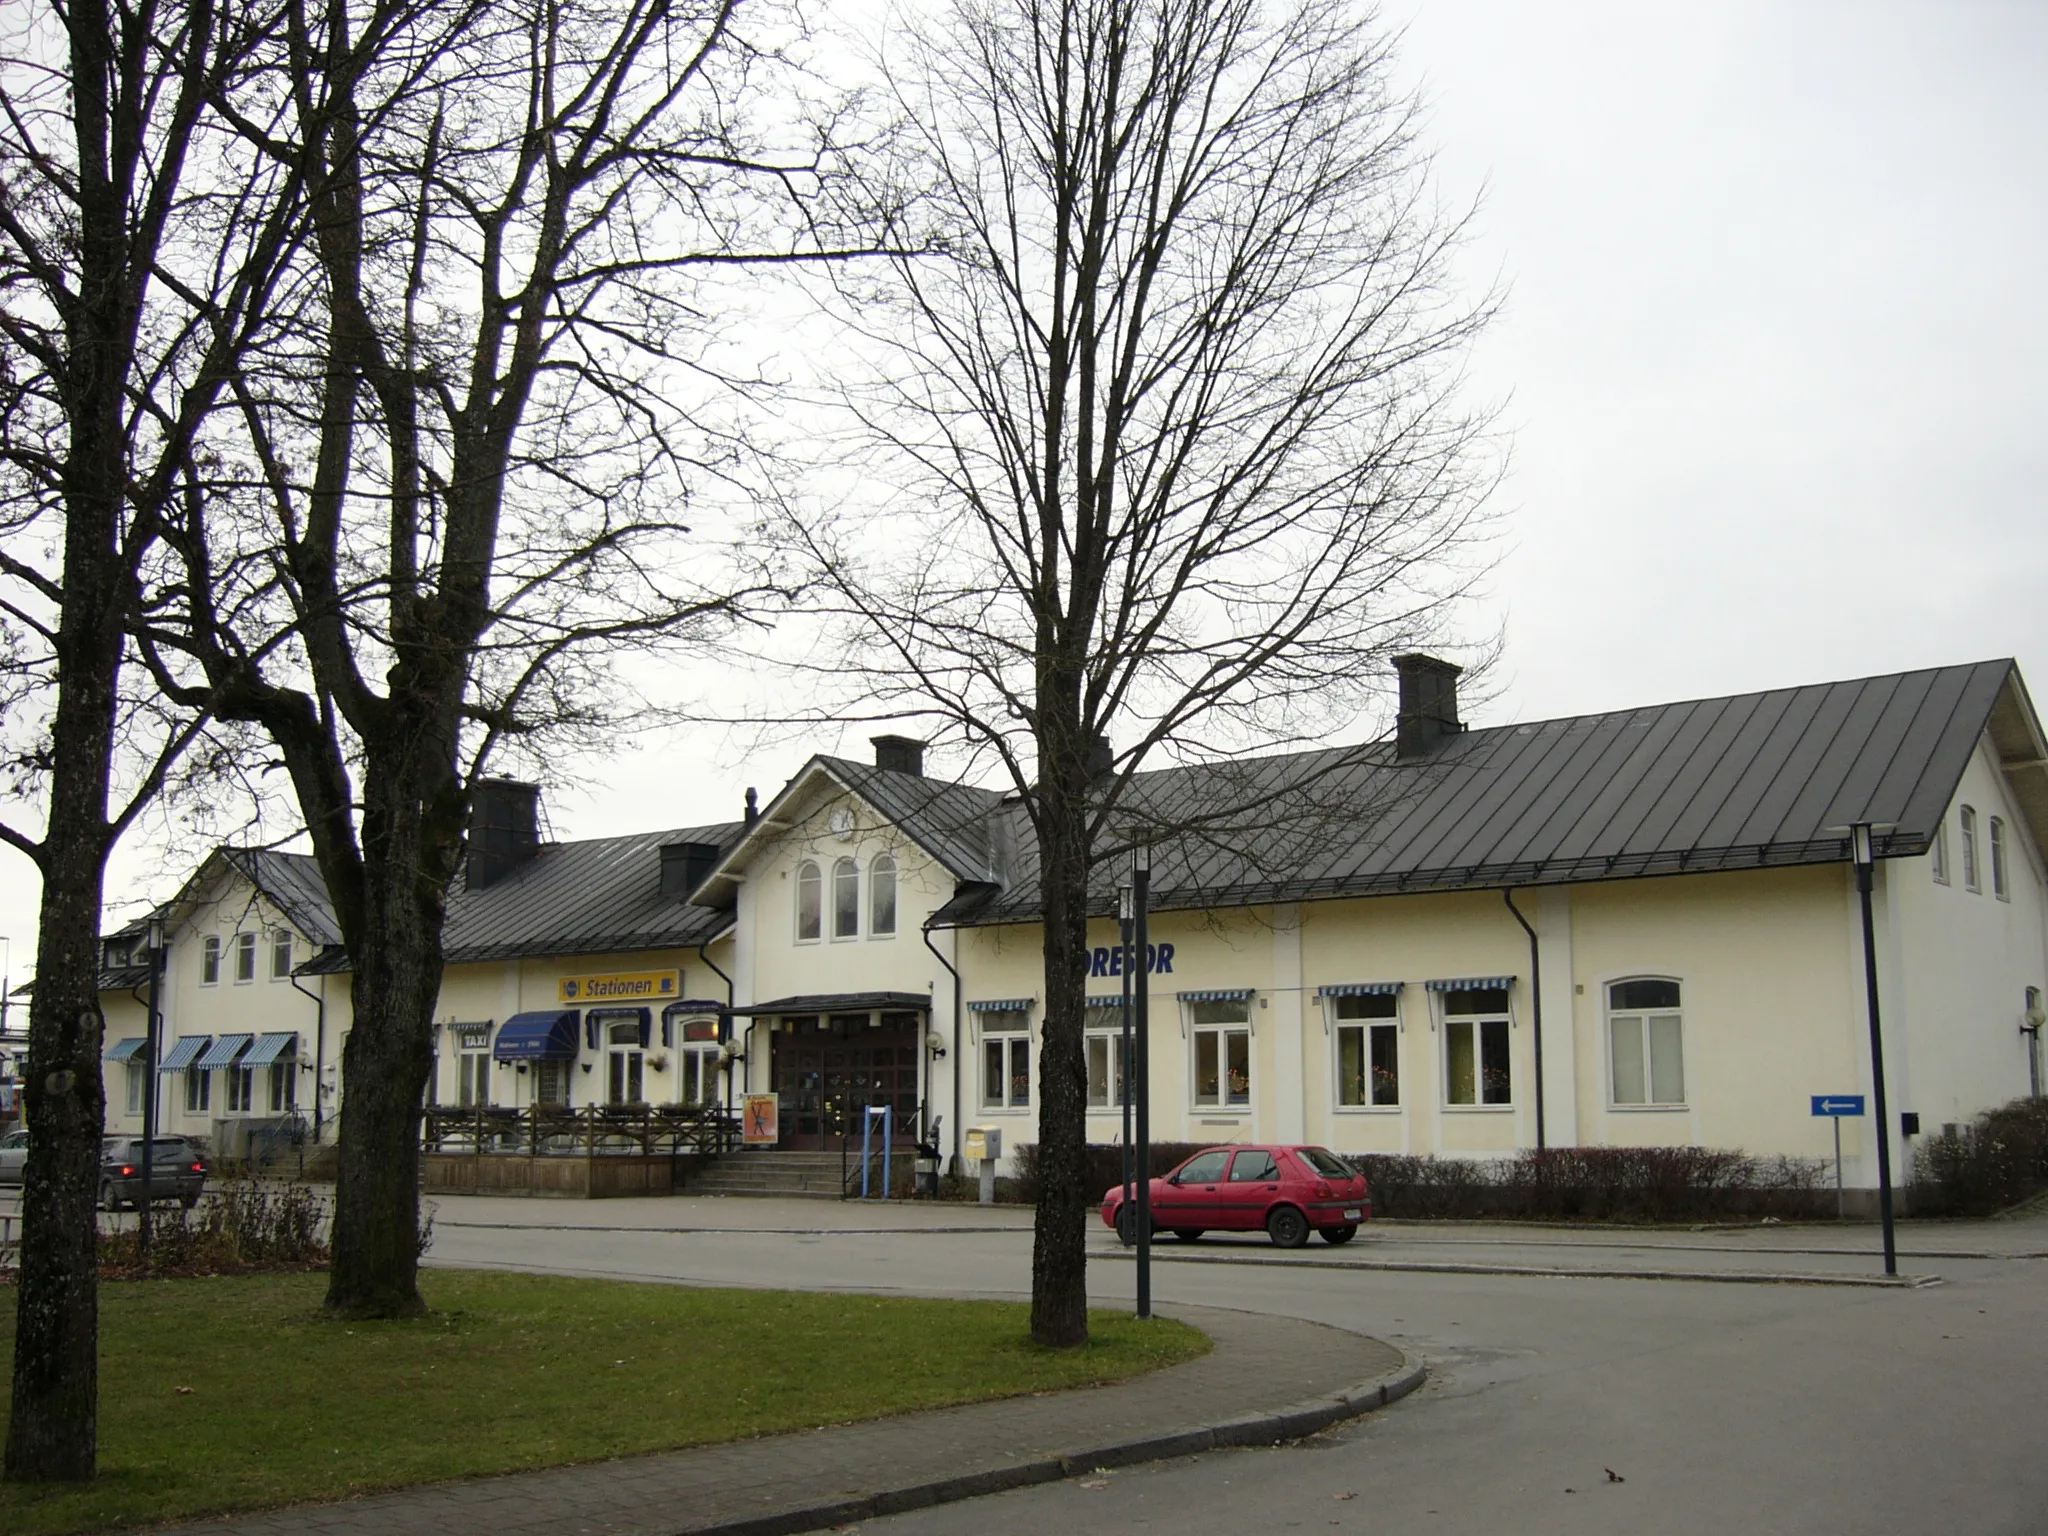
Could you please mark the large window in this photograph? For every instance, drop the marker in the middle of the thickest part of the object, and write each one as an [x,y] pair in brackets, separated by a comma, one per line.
[1368,1051]
[1106,1067]
[1998,885]
[1222,1034]
[551,1082]
[625,1063]
[1006,1059]
[472,1075]
[845,899]
[1937,852]
[280,954]
[198,1091]
[882,897]
[284,1085]
[138,1078]
[209,960]
[697,1055]
[1967,817]
[241,1088]
[1646,1043]
[809,902]
[1477,1068]
[245,957]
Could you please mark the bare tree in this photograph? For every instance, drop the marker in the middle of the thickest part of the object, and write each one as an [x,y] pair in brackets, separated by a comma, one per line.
[452,504]
[139,249]
[1175,428]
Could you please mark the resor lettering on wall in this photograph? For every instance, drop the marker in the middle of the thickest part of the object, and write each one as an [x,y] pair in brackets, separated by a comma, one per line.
[1108,960]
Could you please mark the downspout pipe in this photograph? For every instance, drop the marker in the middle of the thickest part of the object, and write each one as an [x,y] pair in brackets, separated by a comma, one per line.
[319,1048]
[704,954]
[1535,1008]
[926,930]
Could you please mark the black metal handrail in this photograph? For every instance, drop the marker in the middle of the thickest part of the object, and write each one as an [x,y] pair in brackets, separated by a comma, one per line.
[597,1130]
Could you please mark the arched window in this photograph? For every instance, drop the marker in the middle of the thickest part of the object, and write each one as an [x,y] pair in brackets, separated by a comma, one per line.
[882,897]
[1645,1043]
[845,899]
[809,902]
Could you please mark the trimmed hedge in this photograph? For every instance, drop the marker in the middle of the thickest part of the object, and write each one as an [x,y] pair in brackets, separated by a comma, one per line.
[1998,1160]
[1621,1184]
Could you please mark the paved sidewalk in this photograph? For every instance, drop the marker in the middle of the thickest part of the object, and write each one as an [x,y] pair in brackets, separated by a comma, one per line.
[1268,1379]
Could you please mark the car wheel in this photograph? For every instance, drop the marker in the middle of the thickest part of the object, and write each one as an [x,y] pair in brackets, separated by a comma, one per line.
[107,1200]
[1127,1225]
[1188,1234]
[1287,1227]
[1336,1235]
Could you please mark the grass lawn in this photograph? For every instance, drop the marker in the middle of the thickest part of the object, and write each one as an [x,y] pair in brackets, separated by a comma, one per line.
[236,1394]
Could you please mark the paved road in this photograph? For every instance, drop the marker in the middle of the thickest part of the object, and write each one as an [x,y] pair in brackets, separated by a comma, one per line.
[1767,1408]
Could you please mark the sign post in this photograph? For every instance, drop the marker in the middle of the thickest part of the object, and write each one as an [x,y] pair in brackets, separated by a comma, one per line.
[1834,1108]
[1141,1174]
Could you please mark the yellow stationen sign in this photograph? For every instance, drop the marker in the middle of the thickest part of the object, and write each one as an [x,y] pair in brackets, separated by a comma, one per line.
[622,987]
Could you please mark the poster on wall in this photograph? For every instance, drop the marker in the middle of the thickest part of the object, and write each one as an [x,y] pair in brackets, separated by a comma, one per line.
[759,1120]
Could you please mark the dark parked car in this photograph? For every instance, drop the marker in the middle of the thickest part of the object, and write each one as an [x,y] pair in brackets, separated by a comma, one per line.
[178,1172]
[1286,1192]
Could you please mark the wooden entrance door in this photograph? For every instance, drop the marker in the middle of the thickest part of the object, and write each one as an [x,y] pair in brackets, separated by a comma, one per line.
[827,1070]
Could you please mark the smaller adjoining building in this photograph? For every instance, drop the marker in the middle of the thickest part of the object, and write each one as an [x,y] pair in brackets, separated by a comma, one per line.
[1347,944]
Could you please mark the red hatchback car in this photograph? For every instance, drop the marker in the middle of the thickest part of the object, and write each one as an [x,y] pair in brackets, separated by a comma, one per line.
[1287,1192]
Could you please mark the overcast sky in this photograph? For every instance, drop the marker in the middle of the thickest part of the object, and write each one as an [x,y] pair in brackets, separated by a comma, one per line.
[1774,357]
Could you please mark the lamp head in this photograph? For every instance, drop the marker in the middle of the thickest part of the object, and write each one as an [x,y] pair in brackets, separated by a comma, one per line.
[935,1042]
[1860,845]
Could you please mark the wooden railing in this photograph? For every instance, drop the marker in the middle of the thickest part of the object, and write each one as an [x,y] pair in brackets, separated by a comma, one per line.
[600,1130]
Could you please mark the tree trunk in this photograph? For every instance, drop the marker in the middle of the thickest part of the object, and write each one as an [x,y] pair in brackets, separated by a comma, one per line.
[407,859]
[1059,1255]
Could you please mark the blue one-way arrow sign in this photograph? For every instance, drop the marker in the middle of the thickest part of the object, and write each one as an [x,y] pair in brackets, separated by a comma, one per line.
[1835,1105]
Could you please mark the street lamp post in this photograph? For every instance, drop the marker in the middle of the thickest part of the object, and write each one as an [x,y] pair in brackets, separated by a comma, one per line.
[1122,1075]
[1141,892]
[154,943]
[1861,852]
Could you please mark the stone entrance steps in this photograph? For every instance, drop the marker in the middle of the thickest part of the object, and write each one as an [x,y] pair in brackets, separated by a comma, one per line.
[798,1175]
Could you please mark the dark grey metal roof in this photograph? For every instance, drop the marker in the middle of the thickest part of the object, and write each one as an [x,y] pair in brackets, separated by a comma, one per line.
[598,896]
[841,1002]
[1741,782]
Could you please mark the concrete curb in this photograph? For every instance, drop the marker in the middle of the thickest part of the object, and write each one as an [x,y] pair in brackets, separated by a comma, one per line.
[1294,1422]
[1546,1272]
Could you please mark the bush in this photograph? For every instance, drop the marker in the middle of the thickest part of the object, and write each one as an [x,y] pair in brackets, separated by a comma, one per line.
[1625,1184]
[238,1225]
[1997,1161]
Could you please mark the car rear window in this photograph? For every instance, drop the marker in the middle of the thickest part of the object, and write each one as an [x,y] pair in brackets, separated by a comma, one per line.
[1328,1164]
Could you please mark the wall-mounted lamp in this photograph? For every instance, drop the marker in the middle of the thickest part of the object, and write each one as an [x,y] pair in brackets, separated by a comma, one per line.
[935,1042]
[730,1052]
[586,1066]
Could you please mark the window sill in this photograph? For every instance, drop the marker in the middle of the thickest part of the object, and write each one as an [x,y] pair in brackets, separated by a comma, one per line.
[1649,1109]
[1370,1109]
[1479,1109]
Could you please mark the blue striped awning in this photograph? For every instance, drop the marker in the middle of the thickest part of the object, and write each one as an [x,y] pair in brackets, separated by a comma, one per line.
[272,1046]
[1470,984]
[184,1052]
[1114,1000]
[1216,995]
[547,1034]
[1002,1005]
[223,1052]
[125,1050]
[1359,989]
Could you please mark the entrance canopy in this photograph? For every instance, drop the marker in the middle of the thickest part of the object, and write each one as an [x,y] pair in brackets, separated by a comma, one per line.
[843,1002]
[547,1035]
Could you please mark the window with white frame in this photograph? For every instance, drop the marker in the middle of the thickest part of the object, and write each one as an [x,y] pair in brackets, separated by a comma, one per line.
[551,1082]
[1368,1033]
[209,960]
[625,1063]
[241,1089]
[845,899]
[882,897]
[1221,1031]
[1006,1058]
[1967,818]
[1477,1060]
[1106,1066]
[809,902]
[697,1057]
[138,1079]
[1998,885]
[280,953]
[1645,1044]
[245,957]
[1937,852]
[284,1084]
[198,1091]
[472,1069]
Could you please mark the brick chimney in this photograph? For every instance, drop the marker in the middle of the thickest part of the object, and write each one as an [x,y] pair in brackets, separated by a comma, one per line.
[899,754]
[1429,706]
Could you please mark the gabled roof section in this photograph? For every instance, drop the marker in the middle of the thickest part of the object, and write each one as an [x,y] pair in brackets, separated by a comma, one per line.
[1741,782]
[951,822]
